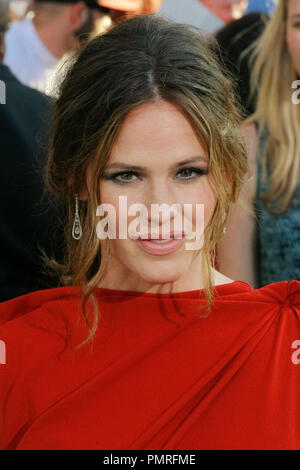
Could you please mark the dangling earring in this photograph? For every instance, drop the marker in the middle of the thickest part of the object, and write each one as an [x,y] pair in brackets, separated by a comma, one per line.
[77,230]
[224,228]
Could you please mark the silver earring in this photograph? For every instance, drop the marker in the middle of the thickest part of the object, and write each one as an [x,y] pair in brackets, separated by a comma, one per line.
[224,228]
[77,230]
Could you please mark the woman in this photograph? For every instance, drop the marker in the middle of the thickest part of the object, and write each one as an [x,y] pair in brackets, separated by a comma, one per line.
[270,243]
[235,40]
[147,344]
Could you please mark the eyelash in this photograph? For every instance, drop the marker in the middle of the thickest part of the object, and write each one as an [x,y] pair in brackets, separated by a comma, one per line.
[113,177]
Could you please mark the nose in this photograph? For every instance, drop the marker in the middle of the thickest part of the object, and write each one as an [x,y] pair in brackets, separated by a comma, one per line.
[161,204]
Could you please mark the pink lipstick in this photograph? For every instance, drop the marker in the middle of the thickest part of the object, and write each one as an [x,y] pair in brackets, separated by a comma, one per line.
[159,246]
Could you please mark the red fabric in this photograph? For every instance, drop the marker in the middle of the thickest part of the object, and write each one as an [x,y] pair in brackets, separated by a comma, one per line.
[158,376]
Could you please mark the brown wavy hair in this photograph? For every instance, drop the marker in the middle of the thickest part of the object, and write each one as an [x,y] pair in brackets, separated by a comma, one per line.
[145,59]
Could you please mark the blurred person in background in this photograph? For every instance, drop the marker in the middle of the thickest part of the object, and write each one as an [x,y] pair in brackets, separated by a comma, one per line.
[209,15]
[18,9]
[267,249]
[119,10]
[235,41]
[35,45]
[4,25]
[151,6]
[26,223]
[261,6]
[227,10]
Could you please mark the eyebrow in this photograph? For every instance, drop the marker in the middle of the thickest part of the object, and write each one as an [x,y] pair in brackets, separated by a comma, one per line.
[296,15]
[140,168]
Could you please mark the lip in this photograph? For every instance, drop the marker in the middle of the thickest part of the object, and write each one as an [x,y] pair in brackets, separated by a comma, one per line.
[160,249]
[173,234]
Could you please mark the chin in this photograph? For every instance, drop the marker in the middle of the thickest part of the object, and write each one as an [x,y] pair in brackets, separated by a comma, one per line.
[161,273]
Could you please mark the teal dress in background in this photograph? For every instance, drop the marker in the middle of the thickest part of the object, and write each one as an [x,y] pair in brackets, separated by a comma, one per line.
[278,235]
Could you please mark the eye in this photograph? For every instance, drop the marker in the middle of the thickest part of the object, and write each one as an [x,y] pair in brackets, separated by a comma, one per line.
[191,173]
[122,177]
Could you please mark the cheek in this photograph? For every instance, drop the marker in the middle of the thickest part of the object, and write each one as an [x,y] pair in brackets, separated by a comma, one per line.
[201,198]
[111,194]
[209,200]
[110,198]
[200,193]
[207,197]
[293,43]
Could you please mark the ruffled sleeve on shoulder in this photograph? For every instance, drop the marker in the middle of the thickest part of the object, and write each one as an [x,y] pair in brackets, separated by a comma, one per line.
[292,298]
[285,293]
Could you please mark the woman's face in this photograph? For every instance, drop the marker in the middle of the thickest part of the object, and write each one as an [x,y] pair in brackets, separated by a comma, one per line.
[227,10]
[293,32]
[157,138]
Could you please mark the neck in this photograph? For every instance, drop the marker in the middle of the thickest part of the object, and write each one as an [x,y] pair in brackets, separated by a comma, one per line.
[191,279]
[52,37]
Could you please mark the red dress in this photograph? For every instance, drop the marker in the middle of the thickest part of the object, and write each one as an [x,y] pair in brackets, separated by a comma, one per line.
[158,375]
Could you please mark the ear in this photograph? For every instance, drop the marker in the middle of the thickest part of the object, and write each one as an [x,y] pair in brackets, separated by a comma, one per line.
[78,14]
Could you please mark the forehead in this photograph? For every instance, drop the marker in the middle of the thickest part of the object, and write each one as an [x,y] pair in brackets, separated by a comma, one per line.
[293,7]
[156,130]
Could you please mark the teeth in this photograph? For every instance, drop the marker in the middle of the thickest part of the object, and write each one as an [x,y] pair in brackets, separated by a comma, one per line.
[161,241]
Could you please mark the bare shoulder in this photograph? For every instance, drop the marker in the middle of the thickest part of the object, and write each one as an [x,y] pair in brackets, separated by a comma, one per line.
[248,190]
[220,279]
[251,140]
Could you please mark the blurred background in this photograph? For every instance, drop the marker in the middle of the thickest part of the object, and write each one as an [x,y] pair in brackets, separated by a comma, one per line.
[206,14]
[212,14]
[39,29]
